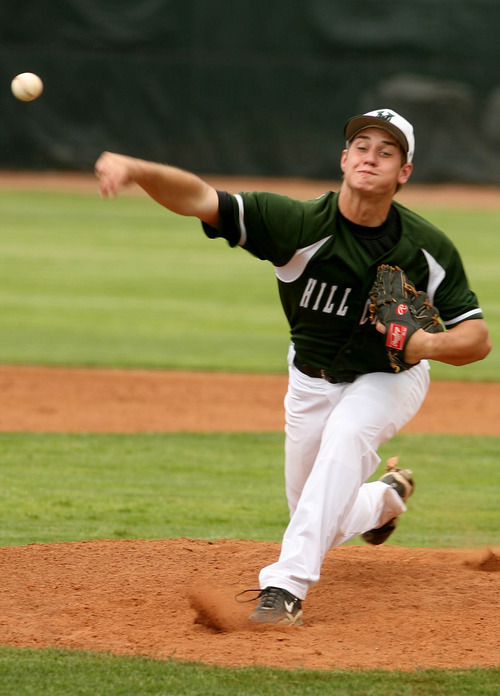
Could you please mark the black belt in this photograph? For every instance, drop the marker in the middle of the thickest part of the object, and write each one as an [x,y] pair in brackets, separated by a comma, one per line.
[337,378]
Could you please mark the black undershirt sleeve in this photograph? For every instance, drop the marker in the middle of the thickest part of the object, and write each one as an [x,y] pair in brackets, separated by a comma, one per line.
[227,229]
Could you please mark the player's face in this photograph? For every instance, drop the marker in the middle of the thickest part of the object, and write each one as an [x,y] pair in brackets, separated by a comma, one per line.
[373,162]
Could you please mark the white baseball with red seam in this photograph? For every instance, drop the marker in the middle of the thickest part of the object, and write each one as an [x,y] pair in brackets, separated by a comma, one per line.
[26,86]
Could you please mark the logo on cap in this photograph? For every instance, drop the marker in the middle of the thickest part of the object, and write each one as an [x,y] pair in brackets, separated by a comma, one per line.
[386,115]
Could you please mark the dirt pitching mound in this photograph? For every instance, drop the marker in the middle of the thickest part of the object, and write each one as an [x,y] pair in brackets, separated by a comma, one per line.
[375,607]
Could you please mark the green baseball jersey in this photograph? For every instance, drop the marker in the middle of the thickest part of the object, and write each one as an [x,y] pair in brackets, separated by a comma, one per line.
[324,273]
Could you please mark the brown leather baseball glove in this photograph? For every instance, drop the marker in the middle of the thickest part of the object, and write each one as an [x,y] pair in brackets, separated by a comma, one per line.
[402,309]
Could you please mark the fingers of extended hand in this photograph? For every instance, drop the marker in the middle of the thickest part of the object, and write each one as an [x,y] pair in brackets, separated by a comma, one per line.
[103,171]
[112,173]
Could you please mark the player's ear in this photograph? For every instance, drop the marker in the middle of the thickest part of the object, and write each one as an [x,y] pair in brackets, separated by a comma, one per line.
[405,173]
[343,160]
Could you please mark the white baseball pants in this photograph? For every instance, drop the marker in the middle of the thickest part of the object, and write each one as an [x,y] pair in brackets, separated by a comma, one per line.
[333,432]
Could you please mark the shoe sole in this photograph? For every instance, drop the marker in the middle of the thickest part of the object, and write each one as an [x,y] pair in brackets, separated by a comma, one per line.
[286,620]
[378,536]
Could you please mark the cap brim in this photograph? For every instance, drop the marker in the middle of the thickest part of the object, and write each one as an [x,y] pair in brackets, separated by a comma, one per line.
[359,123]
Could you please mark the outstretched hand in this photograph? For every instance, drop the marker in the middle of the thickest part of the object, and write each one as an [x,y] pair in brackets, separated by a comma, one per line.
[114,172]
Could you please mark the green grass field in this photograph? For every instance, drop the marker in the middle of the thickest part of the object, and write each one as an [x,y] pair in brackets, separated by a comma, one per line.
[59,487]
[123,283]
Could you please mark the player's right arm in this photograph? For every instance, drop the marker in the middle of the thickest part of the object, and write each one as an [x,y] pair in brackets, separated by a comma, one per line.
[180,191]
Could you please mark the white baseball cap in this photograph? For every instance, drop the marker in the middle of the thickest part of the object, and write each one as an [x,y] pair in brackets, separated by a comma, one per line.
[390,121]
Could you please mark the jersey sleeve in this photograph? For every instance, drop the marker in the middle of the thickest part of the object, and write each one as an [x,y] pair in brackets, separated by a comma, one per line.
[268,225]
[437,268]
[453,297]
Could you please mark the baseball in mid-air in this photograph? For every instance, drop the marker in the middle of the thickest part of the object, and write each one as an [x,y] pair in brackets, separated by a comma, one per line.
[26,86]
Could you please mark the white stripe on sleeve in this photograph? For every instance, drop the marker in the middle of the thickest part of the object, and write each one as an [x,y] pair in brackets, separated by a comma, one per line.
[241,220]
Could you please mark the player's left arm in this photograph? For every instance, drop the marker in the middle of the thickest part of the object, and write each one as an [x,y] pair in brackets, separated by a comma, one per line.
[465,343]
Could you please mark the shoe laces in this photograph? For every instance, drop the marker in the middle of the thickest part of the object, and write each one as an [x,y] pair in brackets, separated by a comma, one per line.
[270,596]
[258,594]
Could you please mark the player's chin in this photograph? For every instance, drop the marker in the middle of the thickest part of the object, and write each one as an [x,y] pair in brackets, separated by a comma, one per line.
[367,186]
[373,185]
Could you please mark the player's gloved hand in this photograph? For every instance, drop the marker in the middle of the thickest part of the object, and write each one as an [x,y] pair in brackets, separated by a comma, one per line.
[401,310]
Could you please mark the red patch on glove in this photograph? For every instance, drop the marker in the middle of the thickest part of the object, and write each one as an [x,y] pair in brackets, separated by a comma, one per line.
[396,336]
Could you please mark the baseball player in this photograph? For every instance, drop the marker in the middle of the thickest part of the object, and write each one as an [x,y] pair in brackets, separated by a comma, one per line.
[355,378]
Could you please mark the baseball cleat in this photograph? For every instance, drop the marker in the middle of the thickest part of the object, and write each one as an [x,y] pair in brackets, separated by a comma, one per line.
[401,480]
[381,534]
[278,606]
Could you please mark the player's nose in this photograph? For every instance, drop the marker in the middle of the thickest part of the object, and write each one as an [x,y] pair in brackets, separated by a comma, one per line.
[370,155]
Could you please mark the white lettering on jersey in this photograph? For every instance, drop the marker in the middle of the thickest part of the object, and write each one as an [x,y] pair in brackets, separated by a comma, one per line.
[328,306]
[320,294]
[311,283]
[342,310]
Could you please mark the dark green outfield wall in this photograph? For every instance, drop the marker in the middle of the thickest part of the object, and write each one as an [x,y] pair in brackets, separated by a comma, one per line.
[257,87]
